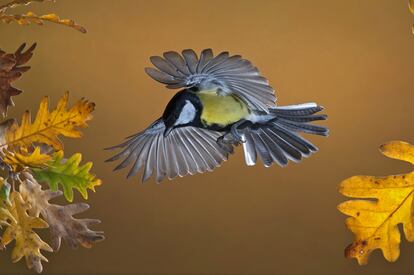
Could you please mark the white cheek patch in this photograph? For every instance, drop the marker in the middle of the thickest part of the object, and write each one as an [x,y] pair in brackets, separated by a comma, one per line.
[187,114]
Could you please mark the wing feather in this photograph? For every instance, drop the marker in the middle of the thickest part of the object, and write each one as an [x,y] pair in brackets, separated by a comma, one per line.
[185,151]
[205,57]
[224,73]
[165,66]
[191,60]
[177,61]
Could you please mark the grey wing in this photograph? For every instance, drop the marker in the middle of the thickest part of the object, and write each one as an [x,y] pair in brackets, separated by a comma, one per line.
[186,150]
[228,74]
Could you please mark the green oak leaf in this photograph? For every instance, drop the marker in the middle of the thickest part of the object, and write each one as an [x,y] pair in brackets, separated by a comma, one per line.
[68,174]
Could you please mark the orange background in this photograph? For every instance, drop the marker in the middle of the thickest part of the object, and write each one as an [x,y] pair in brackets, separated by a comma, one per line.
[354,57]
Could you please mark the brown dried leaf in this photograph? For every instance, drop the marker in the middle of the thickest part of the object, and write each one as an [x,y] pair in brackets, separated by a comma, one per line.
[62,225]
[11,69]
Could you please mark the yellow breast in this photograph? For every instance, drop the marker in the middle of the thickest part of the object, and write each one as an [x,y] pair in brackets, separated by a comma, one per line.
[221,109]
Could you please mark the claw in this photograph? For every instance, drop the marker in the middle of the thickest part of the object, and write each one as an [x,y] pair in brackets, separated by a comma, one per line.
[220,139]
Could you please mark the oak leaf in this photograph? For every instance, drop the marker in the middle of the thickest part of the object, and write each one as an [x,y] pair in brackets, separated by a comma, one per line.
[11,69]
[68,174]
[48,126]
[19,161]
[16,3]
[385,202]
[61,222]
[28,243]
[32,18]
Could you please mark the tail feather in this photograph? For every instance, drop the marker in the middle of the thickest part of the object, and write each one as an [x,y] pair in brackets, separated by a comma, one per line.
[297,110]
[291,151]
[305,118]
[277,139]
[275,150]
[303,127]
[304,146]
[262,150]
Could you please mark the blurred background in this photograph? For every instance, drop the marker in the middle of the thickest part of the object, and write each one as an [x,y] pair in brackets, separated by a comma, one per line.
[353,57]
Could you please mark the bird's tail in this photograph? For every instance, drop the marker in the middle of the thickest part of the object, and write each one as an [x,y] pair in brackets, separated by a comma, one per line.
[277,139]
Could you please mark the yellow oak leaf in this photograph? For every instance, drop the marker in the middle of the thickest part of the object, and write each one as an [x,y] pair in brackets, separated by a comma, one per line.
[19,161]
[28,243]
[383,203]
[48,126]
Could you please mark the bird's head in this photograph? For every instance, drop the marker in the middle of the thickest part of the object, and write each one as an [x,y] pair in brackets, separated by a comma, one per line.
[180,111]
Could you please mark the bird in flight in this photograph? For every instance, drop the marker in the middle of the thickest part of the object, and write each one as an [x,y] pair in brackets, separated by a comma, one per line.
[223,102]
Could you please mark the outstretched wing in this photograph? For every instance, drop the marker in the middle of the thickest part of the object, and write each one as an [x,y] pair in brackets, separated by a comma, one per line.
[228,74]
[186,150]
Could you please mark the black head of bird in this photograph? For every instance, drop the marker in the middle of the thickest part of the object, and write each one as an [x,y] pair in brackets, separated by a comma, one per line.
[223,102]
[184,109]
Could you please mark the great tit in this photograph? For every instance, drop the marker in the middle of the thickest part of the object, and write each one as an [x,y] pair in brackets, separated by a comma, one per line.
[223,102]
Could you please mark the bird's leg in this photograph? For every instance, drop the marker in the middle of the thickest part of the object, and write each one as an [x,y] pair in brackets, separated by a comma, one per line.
[234,130]
[233,137]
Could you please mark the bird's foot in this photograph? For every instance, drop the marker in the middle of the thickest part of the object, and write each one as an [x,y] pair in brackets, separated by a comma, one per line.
[234,130]
[233,137]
